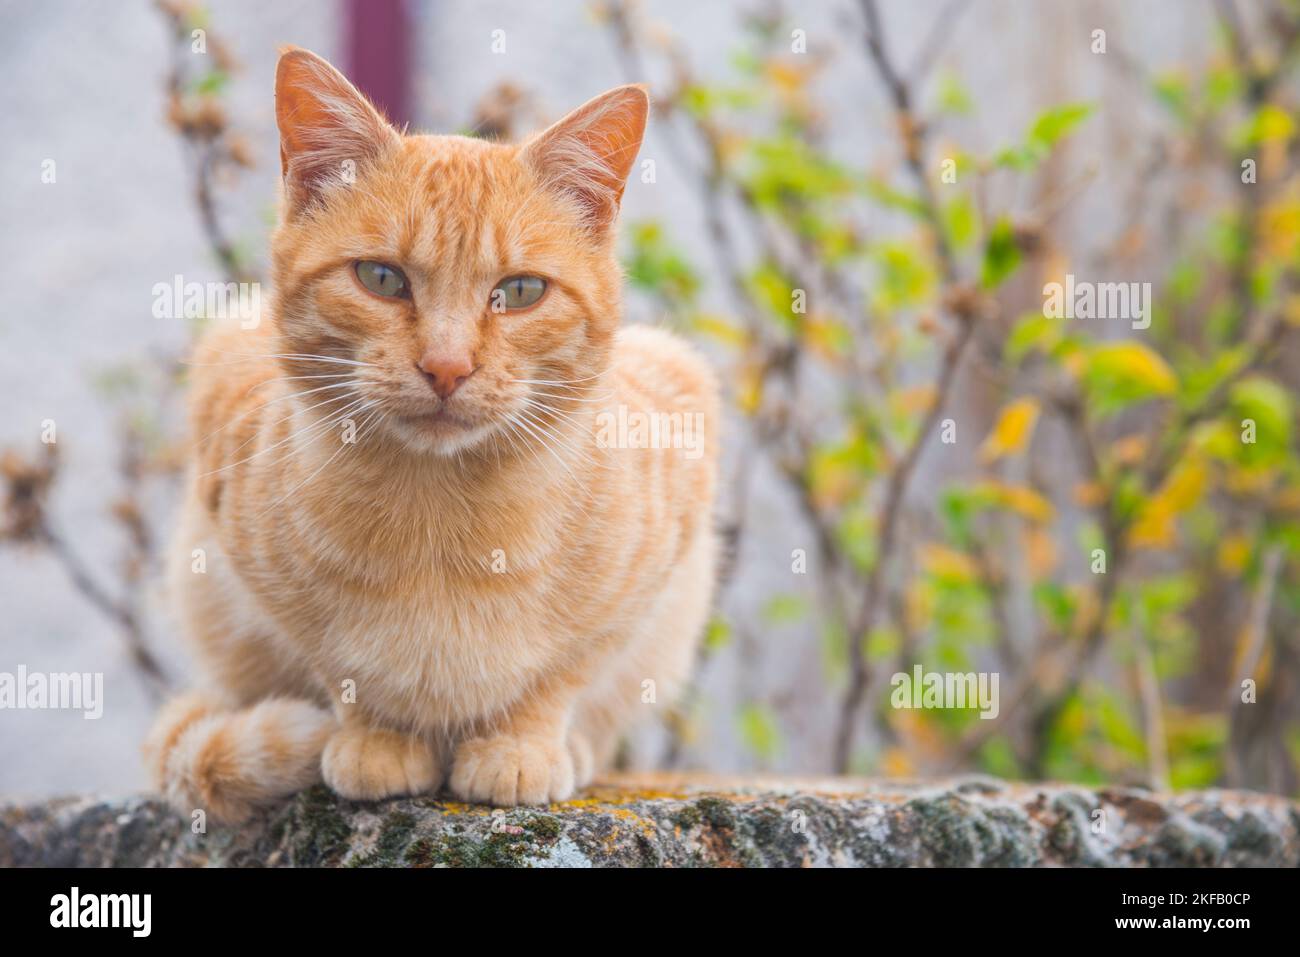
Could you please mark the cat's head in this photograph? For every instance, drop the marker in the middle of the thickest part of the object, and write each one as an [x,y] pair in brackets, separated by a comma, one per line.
[459,285]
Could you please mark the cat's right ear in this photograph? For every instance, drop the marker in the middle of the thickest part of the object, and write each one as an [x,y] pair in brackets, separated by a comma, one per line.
[328,130]
[589,154]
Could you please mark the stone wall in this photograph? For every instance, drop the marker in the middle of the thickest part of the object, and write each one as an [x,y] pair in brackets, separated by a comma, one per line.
[689,822]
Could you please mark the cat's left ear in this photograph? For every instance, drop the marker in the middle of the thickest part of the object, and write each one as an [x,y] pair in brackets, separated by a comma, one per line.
[328,130]
[588,154]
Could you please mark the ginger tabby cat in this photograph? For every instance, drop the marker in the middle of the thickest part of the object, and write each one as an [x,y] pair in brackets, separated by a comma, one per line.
[421,564]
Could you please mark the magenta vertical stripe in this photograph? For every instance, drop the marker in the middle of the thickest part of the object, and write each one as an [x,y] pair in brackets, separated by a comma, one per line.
[378,44]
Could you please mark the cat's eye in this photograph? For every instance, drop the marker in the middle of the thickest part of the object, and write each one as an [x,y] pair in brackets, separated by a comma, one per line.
[517,292]
[382,279]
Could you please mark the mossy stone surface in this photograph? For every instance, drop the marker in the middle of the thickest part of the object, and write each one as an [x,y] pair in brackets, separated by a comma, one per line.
[685,821]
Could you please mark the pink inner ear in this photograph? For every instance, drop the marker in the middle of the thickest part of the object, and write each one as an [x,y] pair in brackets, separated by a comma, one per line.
[589,153]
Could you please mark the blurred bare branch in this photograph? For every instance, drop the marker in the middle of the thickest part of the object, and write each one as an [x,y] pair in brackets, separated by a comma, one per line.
[27,484]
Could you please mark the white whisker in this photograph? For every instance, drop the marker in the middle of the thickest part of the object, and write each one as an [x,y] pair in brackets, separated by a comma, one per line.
[291,378]
[339,451]
[303,356]
[576,398]
[558,381]
[534,429]
[338,415]
[283,398]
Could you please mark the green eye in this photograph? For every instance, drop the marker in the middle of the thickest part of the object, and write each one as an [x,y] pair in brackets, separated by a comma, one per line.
[517,292]
[382,280]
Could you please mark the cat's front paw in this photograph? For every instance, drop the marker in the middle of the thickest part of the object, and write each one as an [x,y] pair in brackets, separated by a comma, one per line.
[584,761]
[366,764]
[506,771]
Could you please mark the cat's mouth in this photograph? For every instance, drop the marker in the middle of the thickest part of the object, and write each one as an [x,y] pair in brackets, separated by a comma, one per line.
[443,430]
[439,417]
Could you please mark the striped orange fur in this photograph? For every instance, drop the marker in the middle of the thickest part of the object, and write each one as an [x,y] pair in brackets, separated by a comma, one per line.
[394,590]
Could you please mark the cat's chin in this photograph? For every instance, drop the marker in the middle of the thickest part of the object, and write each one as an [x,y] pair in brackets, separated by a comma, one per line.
[437,433]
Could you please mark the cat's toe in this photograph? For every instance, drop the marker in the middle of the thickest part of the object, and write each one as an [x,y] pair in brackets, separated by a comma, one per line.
[584,763]
[366,764]
[506,771]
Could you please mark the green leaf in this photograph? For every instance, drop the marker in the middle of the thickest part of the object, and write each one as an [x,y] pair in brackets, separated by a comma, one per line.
[1269,406]
[717,635]
[1001,254]
[882,643]
[886,195]
[905,278]
[211,83]
[1118,374]
[998,757]
[785,609]
[657,267]
[1171,90]
[760,731]
[960,221]
[775,293]
[1057,603]
[1048,129]
[1201,379]
[1057,123]
[1223,85]
[856,533]
[952,97]
[786,169]
[1034,332]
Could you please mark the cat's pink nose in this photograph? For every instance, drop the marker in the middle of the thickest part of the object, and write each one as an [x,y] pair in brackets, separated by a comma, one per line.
[445,370]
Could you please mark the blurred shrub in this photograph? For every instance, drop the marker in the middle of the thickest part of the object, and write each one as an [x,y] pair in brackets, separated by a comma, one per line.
[1120,541]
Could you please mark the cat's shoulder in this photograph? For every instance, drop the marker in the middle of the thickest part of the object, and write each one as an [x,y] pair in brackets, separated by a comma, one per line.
[662,363]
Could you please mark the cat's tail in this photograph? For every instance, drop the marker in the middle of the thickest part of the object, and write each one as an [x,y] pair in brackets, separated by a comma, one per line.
[228,763]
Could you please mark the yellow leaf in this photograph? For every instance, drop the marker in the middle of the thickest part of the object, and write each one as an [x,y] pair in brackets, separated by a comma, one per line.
[915,399]
[833,480]
[944,562]
[1089,494]
[1155,524]
[1130,450]
[730,145]
[1153,530]
[1075,363]
[1184,487]
[825,336]
[1012,431]
[1273,123]
[1279,225]
[749,389]
[896,763]
[1027,502]
[1234,552]
[718,327]
[1249,481]
[1021,499]
[919,604]
[1291,310]
[1135,362]
[920,736]
[1288,499]
[786,76]
[1040,549]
